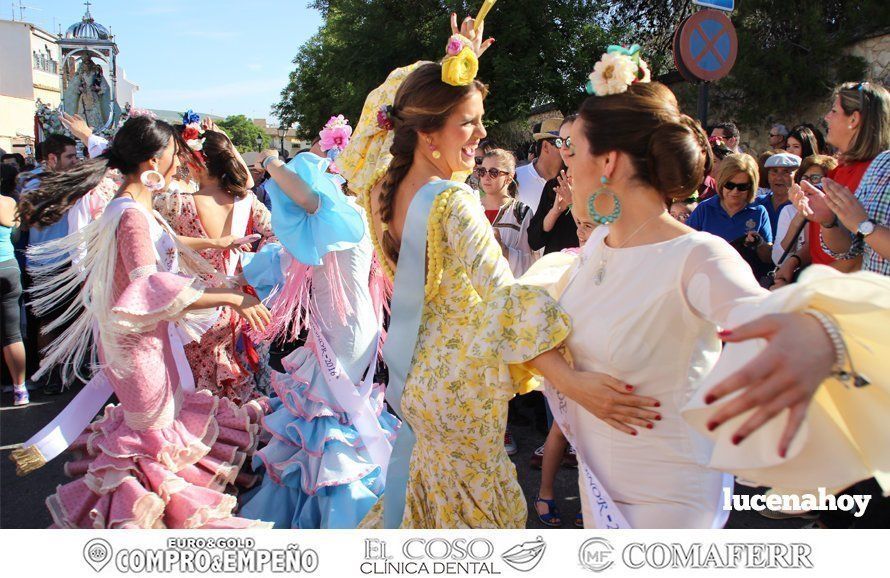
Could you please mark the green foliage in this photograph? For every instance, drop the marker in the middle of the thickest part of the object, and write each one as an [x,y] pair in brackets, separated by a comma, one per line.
[790,55]
[543,52]
[790,51]
[243,132]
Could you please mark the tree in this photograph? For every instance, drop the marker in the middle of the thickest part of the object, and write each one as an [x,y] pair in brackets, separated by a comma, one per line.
[543,53]
[243,132]
[791,52]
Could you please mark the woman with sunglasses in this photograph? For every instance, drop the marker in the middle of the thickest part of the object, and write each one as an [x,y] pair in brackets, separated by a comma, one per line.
[732,214]
[795,232]
[509,217]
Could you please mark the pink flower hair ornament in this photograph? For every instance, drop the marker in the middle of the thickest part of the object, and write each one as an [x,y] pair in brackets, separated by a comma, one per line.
[335,135]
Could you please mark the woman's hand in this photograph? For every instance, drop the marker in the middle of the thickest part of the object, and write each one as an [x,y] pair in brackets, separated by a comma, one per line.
[611,400]
[563,192]
[784,274]
[230,243]
[254,312]
[844,204]
[800,200]
[785,375]
[208,124]
[258,165]
[468,30]
[77,126]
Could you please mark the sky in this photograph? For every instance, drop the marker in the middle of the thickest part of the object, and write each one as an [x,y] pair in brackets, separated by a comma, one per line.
[214,56]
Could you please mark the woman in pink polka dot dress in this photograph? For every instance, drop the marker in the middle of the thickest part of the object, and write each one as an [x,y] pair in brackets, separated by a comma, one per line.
[166,454]
[223,209]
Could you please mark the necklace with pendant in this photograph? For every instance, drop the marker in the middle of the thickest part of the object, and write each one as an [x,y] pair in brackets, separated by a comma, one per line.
[600,274]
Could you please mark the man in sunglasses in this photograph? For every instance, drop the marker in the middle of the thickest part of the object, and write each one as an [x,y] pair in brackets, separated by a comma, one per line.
[547,164]
[777,136]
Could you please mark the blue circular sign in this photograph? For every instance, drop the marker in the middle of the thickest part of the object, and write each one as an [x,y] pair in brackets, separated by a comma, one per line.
[708,45]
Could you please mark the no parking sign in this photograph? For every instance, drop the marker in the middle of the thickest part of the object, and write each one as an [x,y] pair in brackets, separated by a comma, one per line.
[705,46]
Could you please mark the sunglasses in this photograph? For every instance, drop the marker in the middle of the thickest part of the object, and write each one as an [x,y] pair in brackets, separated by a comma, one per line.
[560,142]
[739,186]
[493,173]
[814,178]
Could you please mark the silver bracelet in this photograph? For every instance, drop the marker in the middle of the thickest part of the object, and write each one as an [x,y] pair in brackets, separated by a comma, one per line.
[843,368]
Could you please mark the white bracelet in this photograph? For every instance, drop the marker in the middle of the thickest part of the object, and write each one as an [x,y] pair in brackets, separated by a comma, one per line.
[267,160]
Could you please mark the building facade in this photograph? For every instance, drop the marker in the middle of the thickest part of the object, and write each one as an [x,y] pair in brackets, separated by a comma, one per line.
[36,65]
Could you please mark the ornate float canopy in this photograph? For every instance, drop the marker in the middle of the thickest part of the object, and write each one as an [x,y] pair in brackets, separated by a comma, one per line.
[87,29]
[89,82]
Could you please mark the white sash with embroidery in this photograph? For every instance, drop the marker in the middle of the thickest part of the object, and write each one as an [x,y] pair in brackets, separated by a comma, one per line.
[355,400]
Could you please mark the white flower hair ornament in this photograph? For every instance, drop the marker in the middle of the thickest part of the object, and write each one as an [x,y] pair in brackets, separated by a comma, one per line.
[617,69]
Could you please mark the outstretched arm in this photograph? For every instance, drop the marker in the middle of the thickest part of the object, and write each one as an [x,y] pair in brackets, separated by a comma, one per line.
[291,183]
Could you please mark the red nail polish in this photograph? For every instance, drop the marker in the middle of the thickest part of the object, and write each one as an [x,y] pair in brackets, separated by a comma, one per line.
[737,439]
[724,333]
[657,404]
[629,387]
[658,418]
[783,453]
[649,425]
[712,425]
[709,399]
[633,433]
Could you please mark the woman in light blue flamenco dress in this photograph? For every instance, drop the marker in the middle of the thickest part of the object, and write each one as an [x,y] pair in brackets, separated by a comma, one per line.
[325,465]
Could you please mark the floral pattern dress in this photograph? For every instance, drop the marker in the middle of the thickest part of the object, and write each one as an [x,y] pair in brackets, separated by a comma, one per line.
[216,364]
[460,475]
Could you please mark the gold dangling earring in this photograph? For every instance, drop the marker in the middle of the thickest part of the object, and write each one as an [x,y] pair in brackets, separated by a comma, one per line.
[436,154]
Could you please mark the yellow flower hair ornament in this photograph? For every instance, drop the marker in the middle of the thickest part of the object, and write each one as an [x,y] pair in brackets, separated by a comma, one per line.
[460,65]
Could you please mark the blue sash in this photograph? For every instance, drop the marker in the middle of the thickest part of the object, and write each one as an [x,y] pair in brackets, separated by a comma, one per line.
[407,310]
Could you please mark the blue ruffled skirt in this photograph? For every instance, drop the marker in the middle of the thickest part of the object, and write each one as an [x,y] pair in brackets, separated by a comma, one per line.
[317,472]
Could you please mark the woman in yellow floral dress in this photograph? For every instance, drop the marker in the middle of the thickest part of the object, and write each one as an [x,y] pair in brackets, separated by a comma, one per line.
[408,161]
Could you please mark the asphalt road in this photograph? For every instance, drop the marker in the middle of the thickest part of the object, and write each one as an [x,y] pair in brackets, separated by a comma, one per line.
[22,499]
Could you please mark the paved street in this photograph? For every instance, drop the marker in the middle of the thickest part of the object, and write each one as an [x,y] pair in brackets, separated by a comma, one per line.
[22,499]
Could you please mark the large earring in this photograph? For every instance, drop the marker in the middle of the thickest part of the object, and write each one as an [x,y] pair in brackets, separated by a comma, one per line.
[591,204]
[152,180]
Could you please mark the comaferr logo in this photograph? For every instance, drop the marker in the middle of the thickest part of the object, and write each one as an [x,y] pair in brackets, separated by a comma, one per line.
[732,555]
[596,554]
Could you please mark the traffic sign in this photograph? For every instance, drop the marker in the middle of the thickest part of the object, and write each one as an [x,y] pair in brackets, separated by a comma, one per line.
[707,45]
[728,5]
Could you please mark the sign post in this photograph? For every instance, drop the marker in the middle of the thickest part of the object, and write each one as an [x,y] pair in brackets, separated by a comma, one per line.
[705,49]
[727,5]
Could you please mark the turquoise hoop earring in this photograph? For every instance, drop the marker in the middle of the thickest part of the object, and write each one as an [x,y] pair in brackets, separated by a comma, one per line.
[591,205]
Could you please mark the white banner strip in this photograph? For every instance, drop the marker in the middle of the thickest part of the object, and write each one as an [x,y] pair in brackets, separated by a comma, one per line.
[340,553]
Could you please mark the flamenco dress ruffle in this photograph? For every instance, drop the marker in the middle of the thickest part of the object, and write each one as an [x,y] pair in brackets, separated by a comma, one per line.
[163,457]
[171,477]
[318,474]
